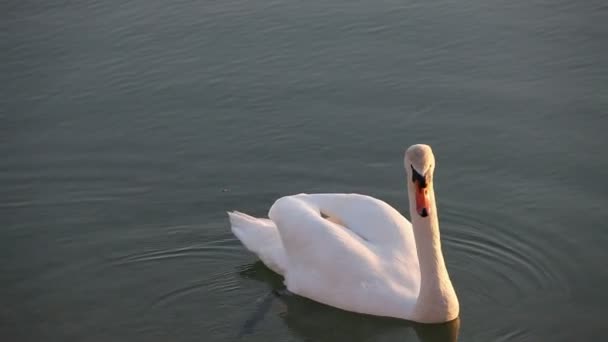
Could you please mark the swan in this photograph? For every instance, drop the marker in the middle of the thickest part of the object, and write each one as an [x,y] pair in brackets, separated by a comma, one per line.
[357,253]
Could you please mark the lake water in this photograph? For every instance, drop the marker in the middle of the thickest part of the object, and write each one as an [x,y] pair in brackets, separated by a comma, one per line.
[128,128]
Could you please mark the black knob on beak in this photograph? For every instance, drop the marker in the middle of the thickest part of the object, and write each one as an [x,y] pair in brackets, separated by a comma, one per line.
[424,212]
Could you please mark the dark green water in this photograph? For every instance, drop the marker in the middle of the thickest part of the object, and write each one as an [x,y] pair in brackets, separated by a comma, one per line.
[128,128]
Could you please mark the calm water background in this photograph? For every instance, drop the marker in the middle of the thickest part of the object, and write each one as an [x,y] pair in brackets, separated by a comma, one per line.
[128,128]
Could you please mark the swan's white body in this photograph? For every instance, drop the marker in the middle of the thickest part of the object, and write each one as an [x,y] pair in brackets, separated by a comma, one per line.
[356,253]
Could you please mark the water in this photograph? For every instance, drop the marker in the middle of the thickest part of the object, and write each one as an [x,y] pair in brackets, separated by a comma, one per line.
[128,128]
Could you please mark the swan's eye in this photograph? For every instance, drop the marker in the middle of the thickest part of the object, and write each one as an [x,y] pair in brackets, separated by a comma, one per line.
[418,178]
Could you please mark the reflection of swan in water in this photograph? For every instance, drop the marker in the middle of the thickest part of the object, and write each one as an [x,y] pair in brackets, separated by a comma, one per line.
[358,253]
[318,322]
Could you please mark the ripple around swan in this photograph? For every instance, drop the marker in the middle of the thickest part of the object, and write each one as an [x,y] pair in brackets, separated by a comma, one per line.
[492,251]
[217,249]
[516,334]
[221,281]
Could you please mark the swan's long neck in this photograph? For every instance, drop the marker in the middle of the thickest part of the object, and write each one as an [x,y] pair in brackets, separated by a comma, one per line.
[437,301]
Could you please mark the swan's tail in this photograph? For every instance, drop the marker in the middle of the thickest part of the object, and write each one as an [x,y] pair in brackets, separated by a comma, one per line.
[261,237]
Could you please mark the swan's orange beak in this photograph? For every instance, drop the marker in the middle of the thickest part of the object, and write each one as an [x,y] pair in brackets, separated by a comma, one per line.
[422,193]
[422,200]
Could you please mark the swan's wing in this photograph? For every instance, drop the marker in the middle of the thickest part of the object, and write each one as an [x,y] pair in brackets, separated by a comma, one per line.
[346,265]
[372,219]
[310,237]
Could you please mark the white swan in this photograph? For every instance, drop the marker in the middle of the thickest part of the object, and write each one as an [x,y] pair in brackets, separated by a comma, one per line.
[357,253]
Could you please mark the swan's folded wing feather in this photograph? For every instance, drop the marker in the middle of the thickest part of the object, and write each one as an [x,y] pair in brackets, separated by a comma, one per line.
[304,231]
[372,219]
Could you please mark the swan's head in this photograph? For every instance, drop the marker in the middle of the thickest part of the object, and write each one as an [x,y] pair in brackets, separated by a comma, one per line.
[419,164]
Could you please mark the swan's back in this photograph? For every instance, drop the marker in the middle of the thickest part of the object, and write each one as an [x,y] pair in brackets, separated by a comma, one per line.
[371,219]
